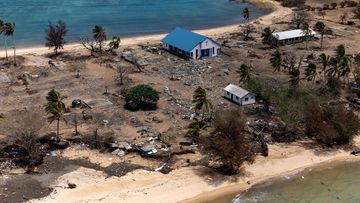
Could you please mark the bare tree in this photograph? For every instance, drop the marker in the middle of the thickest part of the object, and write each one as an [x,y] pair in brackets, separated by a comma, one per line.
[247,31]
[122,72]
[299,18]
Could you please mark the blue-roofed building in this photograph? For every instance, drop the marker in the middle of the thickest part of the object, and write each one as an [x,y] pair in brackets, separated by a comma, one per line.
[190,45]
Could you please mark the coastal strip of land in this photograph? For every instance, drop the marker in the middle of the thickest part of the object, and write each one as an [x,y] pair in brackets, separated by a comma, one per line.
[190,184]
[277,13]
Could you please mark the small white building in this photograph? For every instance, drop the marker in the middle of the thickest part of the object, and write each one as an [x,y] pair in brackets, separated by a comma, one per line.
[291,37]
[190,45]
[238,95]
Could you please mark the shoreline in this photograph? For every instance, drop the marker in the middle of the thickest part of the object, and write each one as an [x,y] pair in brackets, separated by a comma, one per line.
[189,184]
[276,11]
[243,186]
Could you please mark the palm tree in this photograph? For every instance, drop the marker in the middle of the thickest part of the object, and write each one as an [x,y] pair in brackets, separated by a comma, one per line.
[266,35]
[56,108]
[340,51]
[246,14]
[195,129]
[99,35]
[201,101]
[275,60]
[320,28]
[8,30]
[245,73]
[333,70]
[294,77]
[344,67]
[310,72]
[325,61]
[306,31]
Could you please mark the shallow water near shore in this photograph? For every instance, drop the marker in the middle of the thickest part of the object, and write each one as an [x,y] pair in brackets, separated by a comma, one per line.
[335,182]
[120,17]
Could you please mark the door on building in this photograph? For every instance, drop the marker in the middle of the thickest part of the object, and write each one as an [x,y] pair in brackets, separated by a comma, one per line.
[205,52]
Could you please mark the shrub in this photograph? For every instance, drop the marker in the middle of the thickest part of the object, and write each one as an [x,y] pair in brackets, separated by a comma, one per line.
[141,96]
[228,145]
[326,7]
[331,124]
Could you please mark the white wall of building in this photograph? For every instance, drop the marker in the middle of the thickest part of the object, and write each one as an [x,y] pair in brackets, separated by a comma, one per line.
[245,100]
[206,44]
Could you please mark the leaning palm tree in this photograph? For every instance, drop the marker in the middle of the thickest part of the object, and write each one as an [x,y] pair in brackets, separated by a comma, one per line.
[344,67]
[99,35]
[56,108]
[275,60]
[306,31]
[245,73]
[201,101]
[246,14]
[310,72]
[325,61]
[333,70]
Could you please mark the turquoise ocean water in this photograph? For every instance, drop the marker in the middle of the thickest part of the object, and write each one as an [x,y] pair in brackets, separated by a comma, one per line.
[120,17]
[330,183]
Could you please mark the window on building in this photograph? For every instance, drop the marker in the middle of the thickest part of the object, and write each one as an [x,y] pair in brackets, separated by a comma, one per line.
[246,99]
[237,97]
[228,93]
[213,51]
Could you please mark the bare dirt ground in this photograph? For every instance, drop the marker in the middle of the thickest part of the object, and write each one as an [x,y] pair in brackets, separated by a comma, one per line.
[174,78]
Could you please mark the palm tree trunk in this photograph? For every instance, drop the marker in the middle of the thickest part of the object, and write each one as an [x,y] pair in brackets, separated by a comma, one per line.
[321,41]
[57,130]
[14,50]
[6,49]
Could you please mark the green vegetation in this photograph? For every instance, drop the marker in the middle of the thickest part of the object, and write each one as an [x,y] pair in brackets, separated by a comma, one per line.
[141,96]
[55,107]
[245,73]
[276,61]
[55,36]
[7,29]
[202,102]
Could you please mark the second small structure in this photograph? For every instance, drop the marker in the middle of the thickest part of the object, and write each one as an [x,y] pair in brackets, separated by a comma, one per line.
[239,95]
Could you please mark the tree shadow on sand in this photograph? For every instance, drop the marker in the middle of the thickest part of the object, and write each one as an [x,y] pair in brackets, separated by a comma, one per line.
[214,178]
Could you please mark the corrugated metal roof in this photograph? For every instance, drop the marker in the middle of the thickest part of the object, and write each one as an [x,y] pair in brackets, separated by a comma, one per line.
[237,91]
[183,39]
[290,34]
